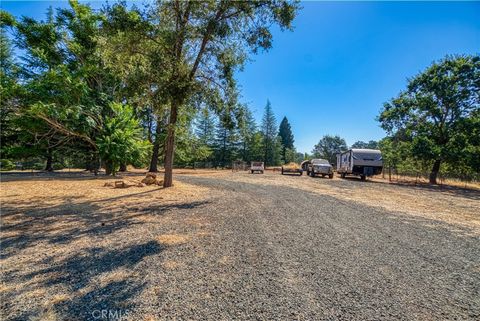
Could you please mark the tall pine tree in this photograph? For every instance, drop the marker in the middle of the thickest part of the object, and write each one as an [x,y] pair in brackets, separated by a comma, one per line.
[205,127]
[286,137]
[226,142]
[269,131]
[246,131]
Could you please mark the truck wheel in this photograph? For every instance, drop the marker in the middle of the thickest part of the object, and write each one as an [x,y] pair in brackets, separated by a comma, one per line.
[362,177]
[330,176]
[342,175]
[261,172]
[301,173]
[282,170]
[312,174]
[251,171]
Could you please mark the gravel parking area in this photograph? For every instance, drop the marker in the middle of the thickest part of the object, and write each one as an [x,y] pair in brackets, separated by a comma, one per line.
[223,246]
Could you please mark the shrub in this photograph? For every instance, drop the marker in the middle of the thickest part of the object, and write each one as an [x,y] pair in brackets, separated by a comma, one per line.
[57,166]
[6,165]
[38,166]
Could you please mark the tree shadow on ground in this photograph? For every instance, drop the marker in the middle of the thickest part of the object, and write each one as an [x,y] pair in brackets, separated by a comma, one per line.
[85,248]
[44,176]
[25,224]
[93,281]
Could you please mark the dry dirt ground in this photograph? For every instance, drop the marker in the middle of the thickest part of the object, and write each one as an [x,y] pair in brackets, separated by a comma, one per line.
[223,245]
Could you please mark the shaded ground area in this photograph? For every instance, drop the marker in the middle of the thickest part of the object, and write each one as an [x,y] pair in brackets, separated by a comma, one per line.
[222,245]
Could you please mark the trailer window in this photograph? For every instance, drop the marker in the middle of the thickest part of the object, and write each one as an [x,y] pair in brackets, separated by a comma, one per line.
[367,156]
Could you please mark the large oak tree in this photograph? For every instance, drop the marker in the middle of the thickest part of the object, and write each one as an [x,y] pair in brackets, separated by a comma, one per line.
[436,112]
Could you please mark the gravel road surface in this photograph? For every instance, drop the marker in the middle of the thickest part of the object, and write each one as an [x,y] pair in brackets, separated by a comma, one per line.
[246,251]
[281,253]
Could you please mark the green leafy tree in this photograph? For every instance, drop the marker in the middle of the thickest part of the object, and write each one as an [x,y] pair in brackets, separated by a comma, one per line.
[120,141]
[328,147]
[432,113]
[364,145]
[256,149]
[196,47]
[299,157]
[69,92]
[286,135]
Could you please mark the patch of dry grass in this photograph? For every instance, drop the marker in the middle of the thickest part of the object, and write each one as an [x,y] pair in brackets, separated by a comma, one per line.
[172,265]
[173,239]
[55,230]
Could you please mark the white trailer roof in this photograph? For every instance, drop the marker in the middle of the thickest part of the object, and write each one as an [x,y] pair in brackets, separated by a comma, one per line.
[370,151]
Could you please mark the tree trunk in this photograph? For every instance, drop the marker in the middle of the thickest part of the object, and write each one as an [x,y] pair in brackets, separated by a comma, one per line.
[156,150]
[109,170]
[434,172]
[170,146]
[92,163]
[123,167]
[48,166]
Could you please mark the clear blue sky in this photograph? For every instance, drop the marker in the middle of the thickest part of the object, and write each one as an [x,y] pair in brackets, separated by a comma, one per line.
[332,74]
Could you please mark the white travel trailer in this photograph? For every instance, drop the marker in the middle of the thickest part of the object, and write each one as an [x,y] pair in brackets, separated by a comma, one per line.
[362,162]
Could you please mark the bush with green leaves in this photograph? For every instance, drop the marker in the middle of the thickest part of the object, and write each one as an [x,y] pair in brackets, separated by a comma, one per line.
[120,141]
[6,165]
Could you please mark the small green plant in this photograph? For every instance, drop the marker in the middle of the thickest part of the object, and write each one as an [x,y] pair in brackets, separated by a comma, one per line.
[6,165]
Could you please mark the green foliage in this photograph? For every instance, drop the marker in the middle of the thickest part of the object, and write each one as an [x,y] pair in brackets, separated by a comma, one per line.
[6,165]
[191,50]
[97,83]
[290,155]
[328,147]
[299,157]
[438,112]
[286,136]
[256,148]
[363,145]
[226,143]
[205,127]
[120,141]
[270,134]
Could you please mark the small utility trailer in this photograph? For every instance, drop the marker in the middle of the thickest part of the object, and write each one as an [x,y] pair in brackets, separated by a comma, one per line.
[360,162]
[257,167]
[292,168]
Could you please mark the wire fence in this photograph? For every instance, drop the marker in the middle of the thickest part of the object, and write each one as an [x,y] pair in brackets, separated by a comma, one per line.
[419,176]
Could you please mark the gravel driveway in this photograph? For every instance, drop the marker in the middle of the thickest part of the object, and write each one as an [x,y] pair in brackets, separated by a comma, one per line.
[264,252]
[280,253]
